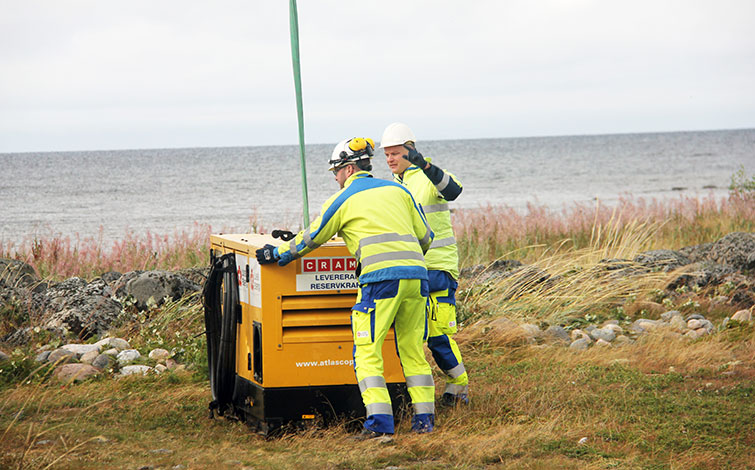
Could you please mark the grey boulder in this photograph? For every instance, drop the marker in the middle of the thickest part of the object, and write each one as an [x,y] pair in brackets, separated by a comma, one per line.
[149,288]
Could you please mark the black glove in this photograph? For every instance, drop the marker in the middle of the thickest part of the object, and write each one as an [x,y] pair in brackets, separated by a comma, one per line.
[266,255]
[415,157]
[284,235]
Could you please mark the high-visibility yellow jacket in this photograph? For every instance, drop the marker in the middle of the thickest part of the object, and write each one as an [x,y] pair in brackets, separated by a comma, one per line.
[443,254]
[381,225]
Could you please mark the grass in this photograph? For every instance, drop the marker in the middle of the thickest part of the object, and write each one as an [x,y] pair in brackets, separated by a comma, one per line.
[659,403]
[654,404]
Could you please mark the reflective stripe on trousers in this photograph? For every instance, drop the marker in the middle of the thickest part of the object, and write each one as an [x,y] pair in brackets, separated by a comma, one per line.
[399,303]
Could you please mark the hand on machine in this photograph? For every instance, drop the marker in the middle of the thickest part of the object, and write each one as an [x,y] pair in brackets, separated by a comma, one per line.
[266,254]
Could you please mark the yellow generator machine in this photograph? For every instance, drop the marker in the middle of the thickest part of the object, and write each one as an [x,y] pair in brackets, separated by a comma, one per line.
[279,340]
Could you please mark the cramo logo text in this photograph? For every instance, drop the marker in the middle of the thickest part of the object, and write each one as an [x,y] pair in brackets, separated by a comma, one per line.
[328,265]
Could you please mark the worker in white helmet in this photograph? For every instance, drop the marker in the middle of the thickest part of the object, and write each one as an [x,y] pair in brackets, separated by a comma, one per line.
[433,188]
[386,231]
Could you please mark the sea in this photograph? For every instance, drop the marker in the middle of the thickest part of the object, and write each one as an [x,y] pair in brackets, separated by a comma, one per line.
[107,194]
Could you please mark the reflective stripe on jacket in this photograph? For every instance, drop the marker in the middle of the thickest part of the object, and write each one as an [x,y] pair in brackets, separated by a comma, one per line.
[381,225]
[443,254]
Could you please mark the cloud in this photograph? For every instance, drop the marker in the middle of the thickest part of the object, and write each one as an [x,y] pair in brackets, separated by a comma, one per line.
[120,75]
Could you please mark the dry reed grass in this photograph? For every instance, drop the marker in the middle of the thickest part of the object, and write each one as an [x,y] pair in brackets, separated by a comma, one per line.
[566,281]
[483,234]
[490,232]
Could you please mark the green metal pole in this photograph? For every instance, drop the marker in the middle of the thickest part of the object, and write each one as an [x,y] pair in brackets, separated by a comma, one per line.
[299,106]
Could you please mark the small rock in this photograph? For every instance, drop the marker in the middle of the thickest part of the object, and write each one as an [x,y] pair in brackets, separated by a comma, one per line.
[42,357]
[582,441]
[743,316]
[708,325]
[103,343]
[691,334]
[171,364]
[532,332]
[557,333]
[161,451]
[694,324]
[43,442]
[577,334]
[635,327]
[103,361]
[128,356]
[678,323]
[119,344]
[702,331]
[610,322]
[667,316]
[602,343]
[580,344]
[61,355]
[622,340]
[614,327]
[111,352]
[132,370]
[603,334]
[695,316]
[89,357]
[80,349]
[75,372]
[159,354]
[160,368]
[647,325]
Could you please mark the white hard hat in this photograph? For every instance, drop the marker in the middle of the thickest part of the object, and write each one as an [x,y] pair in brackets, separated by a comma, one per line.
[397,133]
[351,150]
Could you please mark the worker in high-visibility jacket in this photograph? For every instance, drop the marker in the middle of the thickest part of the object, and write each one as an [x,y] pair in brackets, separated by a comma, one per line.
[388,234]
[433,188]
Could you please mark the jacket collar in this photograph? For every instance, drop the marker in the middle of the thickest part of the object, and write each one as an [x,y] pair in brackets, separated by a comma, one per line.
[410,169]
[355,176]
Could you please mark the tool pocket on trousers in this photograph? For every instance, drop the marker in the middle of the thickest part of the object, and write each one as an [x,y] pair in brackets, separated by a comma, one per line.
[363,326]
[446,318]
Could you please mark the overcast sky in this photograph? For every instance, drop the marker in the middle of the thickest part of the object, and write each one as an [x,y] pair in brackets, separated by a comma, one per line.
[87,74]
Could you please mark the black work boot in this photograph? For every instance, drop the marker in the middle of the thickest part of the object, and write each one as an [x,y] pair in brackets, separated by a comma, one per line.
[449,400]
[366,434]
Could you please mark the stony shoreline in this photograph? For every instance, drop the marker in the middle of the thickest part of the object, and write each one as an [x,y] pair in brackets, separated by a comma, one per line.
[78,312]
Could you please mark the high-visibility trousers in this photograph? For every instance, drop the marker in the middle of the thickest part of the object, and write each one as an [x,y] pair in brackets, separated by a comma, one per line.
[442,327]
[401,303]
